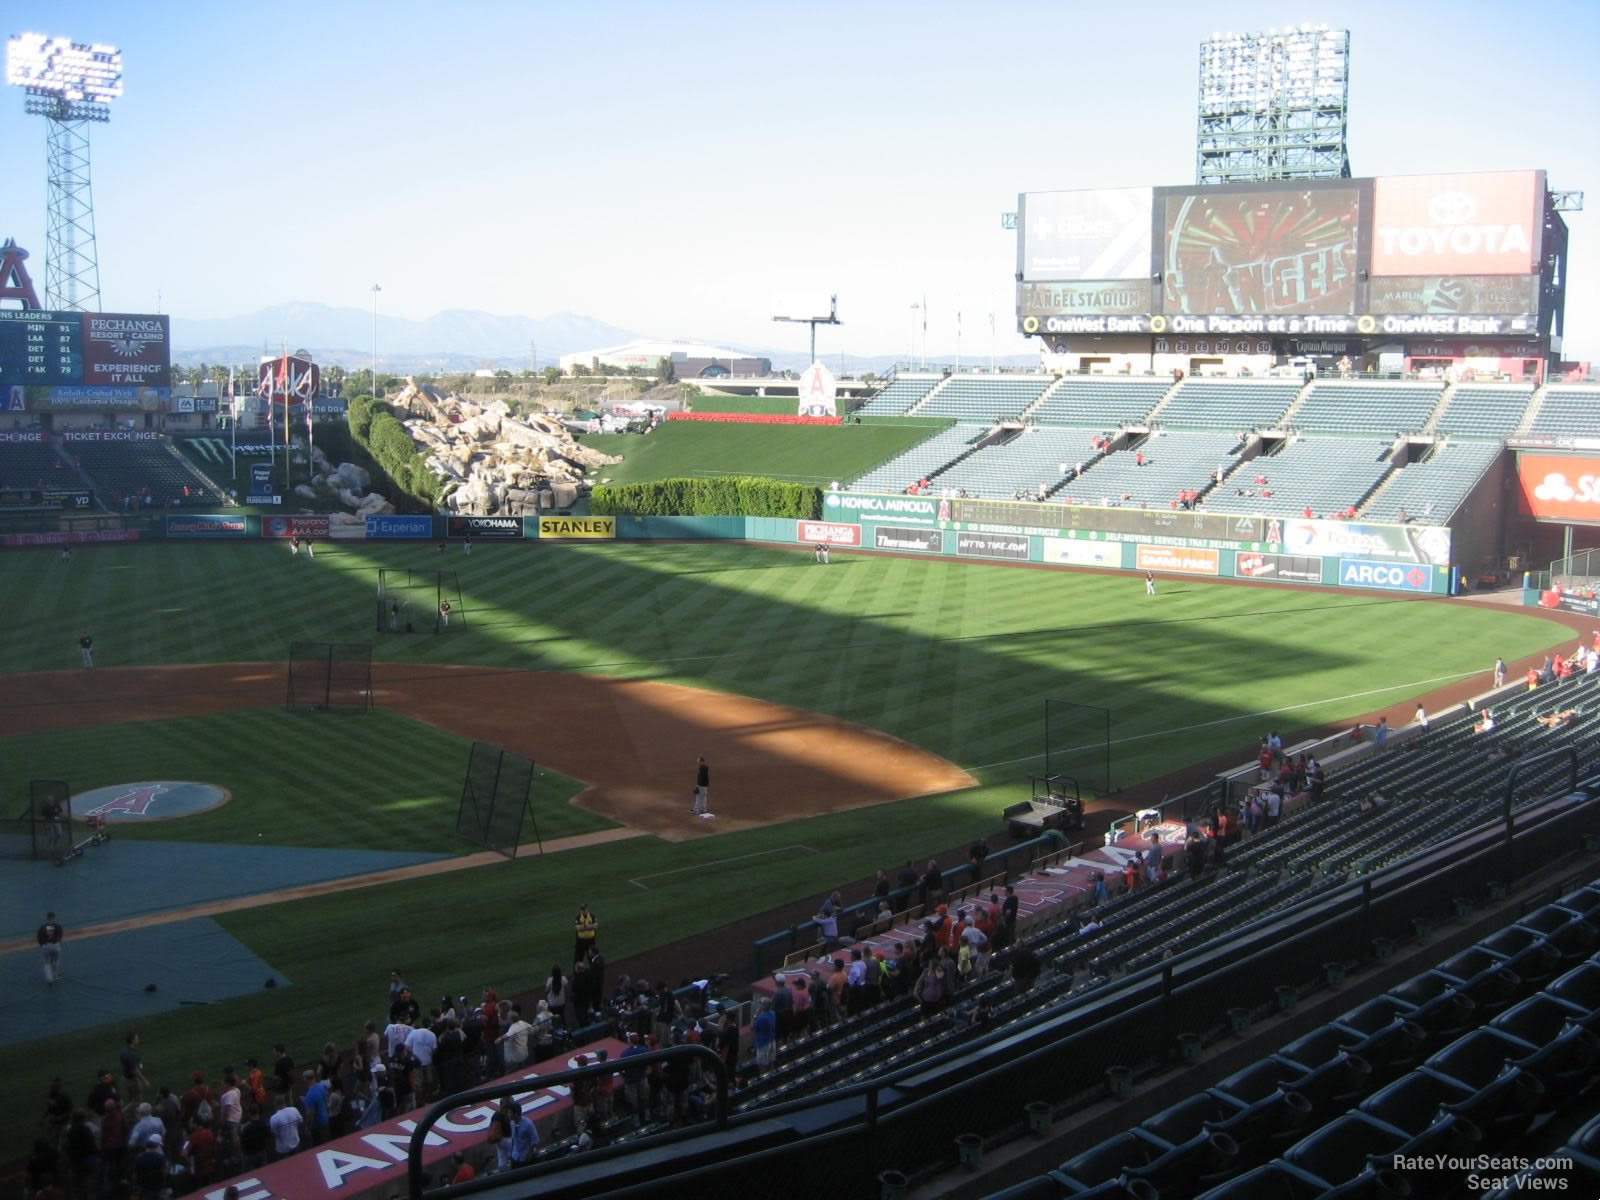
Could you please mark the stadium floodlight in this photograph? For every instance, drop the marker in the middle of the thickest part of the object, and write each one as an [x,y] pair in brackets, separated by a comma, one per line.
[70,84]
[1273,105]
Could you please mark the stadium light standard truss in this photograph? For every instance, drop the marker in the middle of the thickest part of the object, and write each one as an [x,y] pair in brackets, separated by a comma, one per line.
[1274,105]
[71,85]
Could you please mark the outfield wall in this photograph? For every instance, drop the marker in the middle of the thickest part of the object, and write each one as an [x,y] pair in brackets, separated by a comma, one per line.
[1389,558]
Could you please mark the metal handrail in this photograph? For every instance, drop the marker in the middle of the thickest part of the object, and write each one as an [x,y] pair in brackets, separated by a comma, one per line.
[496,1091]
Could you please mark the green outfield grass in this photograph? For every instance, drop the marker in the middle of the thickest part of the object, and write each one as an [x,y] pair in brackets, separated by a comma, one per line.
[798,453]
[954,656]
[376,782]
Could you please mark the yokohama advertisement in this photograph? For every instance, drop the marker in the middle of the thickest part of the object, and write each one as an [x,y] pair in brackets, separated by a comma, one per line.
[813,532]
[1261,251]
[1488,223]
[485,527]
[1560,488]
[1174,561]
[1068,236]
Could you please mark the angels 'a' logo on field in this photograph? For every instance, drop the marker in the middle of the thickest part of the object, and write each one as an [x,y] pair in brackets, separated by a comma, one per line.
[135,801]
[147,800]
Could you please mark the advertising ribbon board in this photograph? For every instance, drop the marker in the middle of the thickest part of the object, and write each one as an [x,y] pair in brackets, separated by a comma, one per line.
[109,435]
[1136,521]
[207,525]
[993,545]
[578,528]
[1071,552]
[72,538]
[400,527]
[908,510]
[894,537]
[1572,602]
[502,528]
[307,525]
[1175,561]
[1286,568]
[826,532]
[1385,576]
[359,1164]
[1336,539]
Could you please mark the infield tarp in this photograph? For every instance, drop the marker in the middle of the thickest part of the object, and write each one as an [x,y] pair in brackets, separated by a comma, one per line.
[104,979]
[129,878]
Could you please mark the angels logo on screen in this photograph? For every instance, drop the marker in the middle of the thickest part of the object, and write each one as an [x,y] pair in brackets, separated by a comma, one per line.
[1261,252]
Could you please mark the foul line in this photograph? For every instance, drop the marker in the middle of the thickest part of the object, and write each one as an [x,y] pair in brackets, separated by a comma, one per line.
[1267,712]
[718,863]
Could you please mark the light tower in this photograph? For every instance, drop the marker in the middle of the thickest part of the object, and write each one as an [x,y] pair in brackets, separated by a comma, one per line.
[71,85]
[1274,105]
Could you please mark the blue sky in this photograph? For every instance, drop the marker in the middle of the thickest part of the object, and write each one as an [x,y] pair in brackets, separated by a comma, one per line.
[679,169]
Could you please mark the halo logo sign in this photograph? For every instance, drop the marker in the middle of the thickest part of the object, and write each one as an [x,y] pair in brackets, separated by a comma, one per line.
[148,800]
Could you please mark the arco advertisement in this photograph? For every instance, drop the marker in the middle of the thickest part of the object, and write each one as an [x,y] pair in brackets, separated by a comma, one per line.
[1560,487]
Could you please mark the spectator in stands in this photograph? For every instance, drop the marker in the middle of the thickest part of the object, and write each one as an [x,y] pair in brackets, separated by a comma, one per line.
[764,1030]
[1152,859]
[932,883]
[1485,723]
[1024,968]
[1101,894]
[827,920]
[524,1136]
[1420,718]
[1380,735]
[1274,807]
[976,854]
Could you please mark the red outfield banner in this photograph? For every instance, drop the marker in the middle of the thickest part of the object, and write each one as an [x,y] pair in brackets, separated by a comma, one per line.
[1560,487]
[739,418]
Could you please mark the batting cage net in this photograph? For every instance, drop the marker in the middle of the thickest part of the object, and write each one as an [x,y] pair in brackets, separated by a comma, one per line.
[419,601]
[43,829]
[1077,743]
[330,677]
[496,797]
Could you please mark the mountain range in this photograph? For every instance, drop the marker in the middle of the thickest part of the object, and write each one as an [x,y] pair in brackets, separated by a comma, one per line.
[457,339]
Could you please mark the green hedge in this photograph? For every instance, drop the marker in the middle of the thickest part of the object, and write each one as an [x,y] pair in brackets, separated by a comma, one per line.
[717,496]
[412,486]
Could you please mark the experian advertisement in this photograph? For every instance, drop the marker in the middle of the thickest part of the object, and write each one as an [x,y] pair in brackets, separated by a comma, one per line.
[1266,251]
[1386,576]
[1099,234]
[1485,223]
[1560,488]
[400,527]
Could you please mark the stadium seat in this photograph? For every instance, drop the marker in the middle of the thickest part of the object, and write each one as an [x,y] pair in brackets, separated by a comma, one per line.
[1227,404]
[1350,407]
[1492,410]
[1567,410]
[1102,403]
[983,398]
[901,393]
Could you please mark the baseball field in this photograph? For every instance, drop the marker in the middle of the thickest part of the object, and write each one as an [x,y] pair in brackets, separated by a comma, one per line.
[856,715]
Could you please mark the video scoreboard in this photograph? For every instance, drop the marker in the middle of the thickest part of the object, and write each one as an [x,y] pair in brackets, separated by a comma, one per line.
[68,359]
